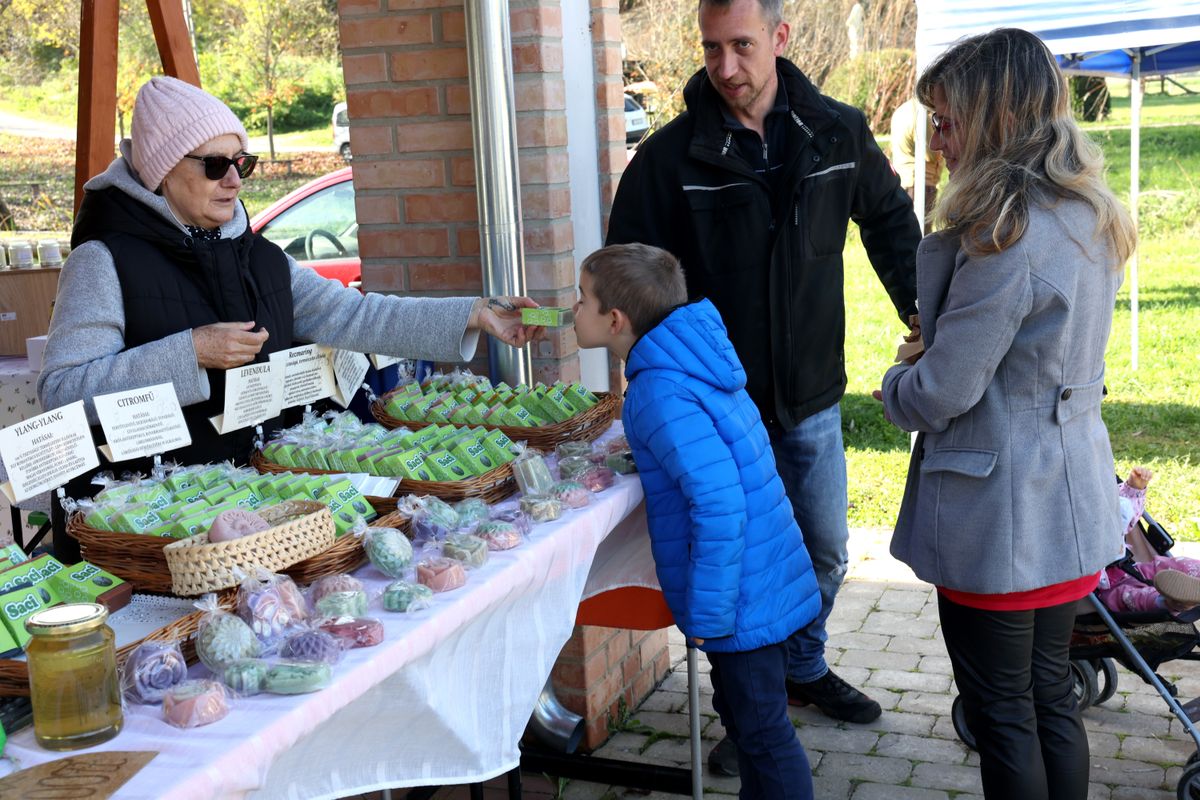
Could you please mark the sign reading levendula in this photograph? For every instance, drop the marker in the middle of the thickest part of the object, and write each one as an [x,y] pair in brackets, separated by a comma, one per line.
[141,422]
[46,451]
[253,394]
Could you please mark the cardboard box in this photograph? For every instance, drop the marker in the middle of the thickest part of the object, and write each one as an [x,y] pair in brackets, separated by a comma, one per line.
[34,348]
[26,301]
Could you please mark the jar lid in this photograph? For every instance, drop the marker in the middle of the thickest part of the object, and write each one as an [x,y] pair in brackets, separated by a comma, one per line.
[71,618]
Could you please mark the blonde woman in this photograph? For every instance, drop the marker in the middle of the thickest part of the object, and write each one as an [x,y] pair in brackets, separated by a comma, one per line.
[1009,508]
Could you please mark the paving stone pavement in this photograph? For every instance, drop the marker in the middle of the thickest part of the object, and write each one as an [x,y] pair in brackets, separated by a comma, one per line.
[884,635]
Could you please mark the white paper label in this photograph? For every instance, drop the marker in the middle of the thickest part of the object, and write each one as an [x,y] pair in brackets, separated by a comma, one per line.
[46,451]
[253,393]
[308,374]
[380,362]
[141,422]
[350,369]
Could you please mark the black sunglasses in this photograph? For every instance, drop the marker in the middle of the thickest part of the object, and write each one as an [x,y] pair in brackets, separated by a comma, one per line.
[217,167]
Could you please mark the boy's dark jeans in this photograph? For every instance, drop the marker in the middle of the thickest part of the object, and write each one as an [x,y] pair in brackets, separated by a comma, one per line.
[749,694]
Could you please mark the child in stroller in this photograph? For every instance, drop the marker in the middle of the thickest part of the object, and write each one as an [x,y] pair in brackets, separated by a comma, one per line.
[1152,582]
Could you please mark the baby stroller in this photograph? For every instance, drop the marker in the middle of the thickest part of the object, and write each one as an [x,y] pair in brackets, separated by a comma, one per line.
[1141,642]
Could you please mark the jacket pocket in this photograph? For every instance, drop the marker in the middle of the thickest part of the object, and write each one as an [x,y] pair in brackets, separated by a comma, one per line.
[1076,398]
[732,225]
[964,461]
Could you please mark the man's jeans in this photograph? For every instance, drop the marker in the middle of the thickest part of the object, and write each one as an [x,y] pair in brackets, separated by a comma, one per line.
[812,464]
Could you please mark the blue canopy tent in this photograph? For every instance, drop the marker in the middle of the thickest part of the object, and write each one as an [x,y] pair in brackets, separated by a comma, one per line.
[1130,39]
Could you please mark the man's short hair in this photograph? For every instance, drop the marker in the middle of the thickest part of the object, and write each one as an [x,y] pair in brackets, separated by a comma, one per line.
[772,9]
[644,282]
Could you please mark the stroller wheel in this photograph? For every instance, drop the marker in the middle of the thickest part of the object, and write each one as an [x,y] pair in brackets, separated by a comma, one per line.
[1189,783]
[958,716]
[1086,683]
[1106,670]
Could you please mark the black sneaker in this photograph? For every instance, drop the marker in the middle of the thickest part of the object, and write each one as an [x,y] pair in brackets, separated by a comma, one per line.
[835,698]
[723,760]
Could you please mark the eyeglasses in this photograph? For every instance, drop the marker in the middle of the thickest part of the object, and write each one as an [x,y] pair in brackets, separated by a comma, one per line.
[941,124]
[217,167]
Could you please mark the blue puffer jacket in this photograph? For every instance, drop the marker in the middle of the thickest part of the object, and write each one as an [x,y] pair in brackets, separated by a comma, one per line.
[727,550]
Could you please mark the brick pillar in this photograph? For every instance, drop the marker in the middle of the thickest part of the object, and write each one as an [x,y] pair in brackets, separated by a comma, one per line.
[602,669]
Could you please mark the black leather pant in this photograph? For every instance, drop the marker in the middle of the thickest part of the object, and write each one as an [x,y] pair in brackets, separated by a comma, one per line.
[1013,674]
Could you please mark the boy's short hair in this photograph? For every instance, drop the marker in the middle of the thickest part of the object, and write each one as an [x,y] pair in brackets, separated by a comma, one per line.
[644,282]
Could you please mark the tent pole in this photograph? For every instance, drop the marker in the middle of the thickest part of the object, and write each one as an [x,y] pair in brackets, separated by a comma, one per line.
[1135,146]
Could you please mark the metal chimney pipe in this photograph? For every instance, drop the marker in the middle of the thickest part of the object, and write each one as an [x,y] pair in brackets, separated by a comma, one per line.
[497,179]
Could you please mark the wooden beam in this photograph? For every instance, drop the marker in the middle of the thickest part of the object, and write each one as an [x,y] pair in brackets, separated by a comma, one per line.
[97,123]
[174,43]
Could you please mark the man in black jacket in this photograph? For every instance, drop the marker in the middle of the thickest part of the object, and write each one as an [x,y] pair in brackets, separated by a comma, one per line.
[752,187]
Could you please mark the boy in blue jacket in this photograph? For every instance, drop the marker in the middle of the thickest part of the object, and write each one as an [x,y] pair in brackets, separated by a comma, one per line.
[727,550]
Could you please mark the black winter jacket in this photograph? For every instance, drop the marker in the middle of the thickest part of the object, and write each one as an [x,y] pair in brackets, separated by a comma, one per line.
[772,264]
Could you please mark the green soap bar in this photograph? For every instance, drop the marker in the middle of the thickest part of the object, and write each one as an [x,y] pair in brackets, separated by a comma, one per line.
[165,531]
[548,316]
[217,495]
[284,455]
[181,479]
[466,395]
[475,456]
[191,494]
[138,520]
[297,677]
[245,499]
[581,396]
[212,477]
[413,466]
[97,519]
[446,467]
[191,525]
[29,573]
[117,494]
[10,556]
[424,435]
[560,401]
[21,604]
[155,497]
[499,448]
[462,415]
[9,647]
[413,388]
[174,510]
[521,416]
[84,583]
[346,494]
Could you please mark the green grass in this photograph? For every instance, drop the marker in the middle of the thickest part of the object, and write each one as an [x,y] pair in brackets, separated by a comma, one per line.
[1171,108]
[1153,414]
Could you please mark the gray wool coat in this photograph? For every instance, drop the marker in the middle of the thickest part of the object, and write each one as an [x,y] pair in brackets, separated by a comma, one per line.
[1011,481]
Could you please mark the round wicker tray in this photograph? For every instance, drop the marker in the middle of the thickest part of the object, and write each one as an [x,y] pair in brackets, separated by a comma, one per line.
[583,427]
[14,674]
[493,485]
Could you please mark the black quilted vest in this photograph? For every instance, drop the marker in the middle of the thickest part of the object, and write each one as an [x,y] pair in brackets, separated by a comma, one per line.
[171,282]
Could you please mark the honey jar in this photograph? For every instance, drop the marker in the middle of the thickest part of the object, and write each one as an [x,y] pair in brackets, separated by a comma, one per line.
[73,679]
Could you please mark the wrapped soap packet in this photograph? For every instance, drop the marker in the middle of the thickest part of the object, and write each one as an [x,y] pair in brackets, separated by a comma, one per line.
[499,535]
[571,493]
[407,597]
[616,444]
[471,510]
[597,479]
[271,605]
[222,637]
[531,472]
[355,631]
[569,449]
[312,644]
[621,462]
[542,508]
[150,670]
[194,703]
[521,520]
[388,550]
[245,677]
[439,573]
[467,548]
[570,467]
[297,677]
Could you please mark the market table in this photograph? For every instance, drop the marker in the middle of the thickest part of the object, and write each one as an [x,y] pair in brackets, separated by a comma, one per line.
[444,699]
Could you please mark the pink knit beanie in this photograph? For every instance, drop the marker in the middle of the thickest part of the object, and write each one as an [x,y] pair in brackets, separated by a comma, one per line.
[171,118]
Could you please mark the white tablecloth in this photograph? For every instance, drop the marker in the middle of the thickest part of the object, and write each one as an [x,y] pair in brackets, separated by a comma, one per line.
[444,699]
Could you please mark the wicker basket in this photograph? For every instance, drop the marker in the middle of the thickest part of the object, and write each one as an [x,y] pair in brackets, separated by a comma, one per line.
[346,555]
[493,485]
[14,674]
[585,426]
[139,559]
[302,529]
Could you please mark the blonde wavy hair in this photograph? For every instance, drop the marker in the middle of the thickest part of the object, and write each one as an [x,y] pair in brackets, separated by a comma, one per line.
[1018,143]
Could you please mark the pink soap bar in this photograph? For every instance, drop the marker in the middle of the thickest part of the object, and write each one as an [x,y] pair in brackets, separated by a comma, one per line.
[194,703]
[235,524]
[356,631]
[441,574]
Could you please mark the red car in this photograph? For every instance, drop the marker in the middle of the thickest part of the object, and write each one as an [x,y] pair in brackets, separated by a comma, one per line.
[317,226]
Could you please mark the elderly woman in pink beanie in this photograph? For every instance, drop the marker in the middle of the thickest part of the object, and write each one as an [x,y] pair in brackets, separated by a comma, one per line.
[167,283]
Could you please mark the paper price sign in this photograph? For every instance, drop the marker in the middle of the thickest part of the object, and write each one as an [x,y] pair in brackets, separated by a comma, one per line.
[381,362]
[253,393]
[46,451]
[308,374]
[350,368]
[141,422]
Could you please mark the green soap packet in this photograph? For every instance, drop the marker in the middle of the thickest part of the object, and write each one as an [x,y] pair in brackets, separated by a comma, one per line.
[117,494]
[245,499]
[521,417]
[264,487]
[581,396]
[137,520]
[191,525]
[446,467]
[414,467]
[155,496]
[429,432]
[175,509]
[9,648]
[558,399]
[212,477]
[466,394]
[285,456]
[439,413]
[164,531]
[29,573]
[474,456]
[548,316]
[461,415]
[98,519]
[83,583]
[497,445]
[180,480]
[192,494]
[218,494]
[11,555]
[20,604]
[412,388]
